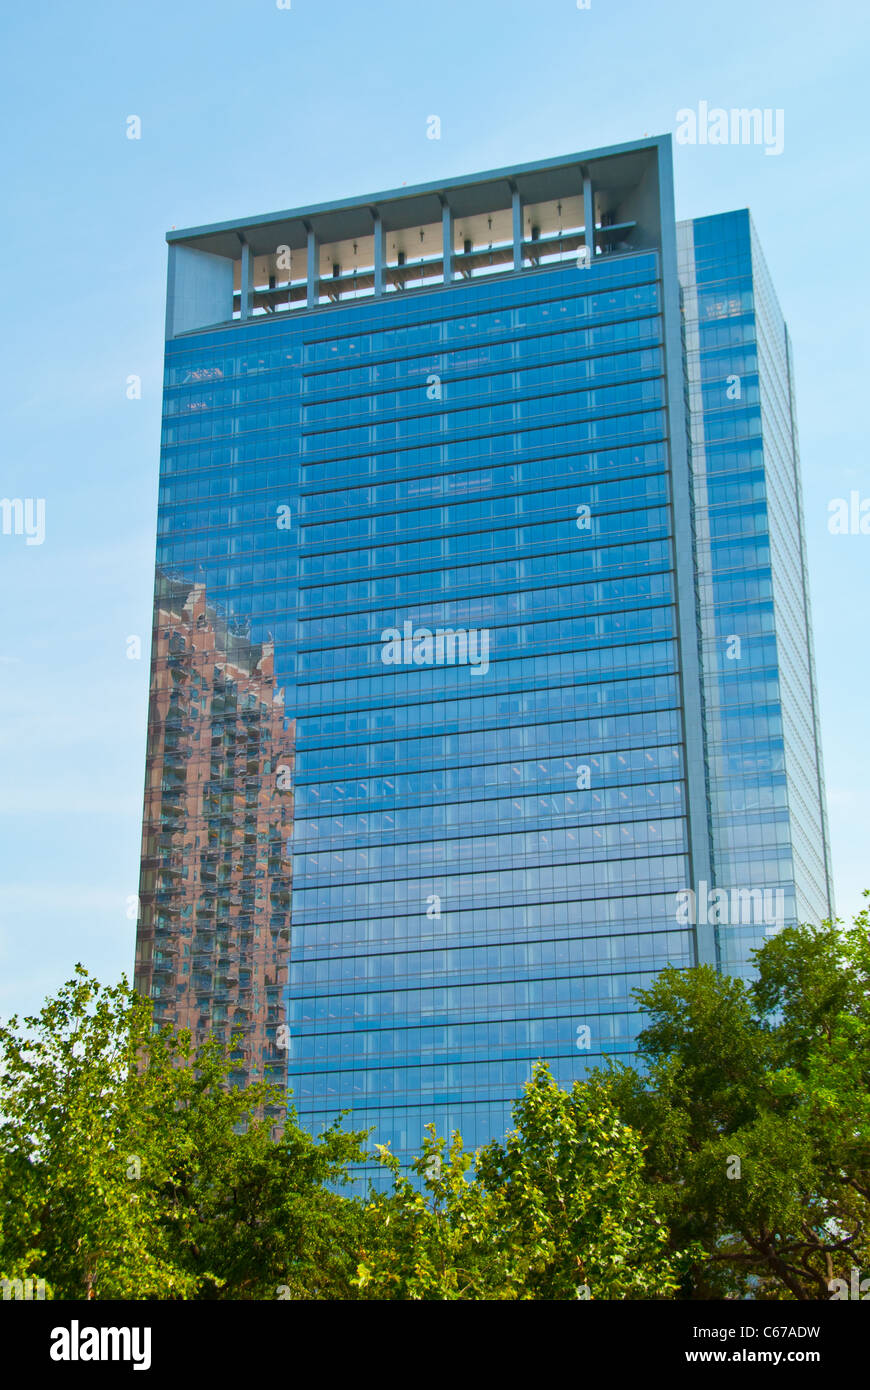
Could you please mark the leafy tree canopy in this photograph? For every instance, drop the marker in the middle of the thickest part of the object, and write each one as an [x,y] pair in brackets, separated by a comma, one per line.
[129,1168]
[755,1106]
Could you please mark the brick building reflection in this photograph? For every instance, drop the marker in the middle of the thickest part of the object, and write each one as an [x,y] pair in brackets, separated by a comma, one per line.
[214,939]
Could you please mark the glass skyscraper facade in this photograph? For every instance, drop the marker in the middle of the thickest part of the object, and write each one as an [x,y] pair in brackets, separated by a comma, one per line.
[456,524]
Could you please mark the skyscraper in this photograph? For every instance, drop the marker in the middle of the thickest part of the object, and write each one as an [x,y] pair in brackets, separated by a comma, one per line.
[495,531]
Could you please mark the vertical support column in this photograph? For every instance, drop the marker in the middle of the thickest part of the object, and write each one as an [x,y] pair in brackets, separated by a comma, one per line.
[246,301]
[517,211]
[447,240]
[171,278]
[682,509]
[313,276]
[589,215]
[378,232]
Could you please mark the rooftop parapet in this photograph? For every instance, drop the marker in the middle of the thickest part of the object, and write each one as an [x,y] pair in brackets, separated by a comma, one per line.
[505,221]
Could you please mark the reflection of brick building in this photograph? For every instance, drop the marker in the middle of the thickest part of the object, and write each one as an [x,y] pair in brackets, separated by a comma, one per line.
[213,939]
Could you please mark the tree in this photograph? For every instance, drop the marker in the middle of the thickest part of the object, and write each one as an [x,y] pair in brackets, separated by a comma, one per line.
[129,1168]
[570,1181]
[736,1163]
[432,1240]
[756,1110]
[556,1210]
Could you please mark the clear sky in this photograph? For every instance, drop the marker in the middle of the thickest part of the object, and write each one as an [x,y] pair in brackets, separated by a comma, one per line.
[247,108]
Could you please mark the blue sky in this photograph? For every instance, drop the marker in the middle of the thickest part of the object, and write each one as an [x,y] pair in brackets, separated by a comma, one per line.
[245,109]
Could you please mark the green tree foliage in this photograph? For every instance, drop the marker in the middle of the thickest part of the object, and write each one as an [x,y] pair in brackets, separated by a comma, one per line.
[735,1163]
[557,1210]
[756,1111]
[129,1168]
[433,1239]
